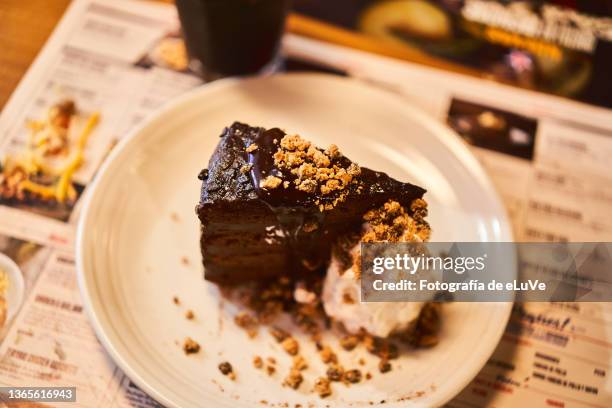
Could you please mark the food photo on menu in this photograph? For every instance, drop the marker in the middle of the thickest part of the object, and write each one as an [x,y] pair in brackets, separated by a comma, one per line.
[305,203]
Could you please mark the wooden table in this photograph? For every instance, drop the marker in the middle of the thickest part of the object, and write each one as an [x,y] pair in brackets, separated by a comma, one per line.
[24,28]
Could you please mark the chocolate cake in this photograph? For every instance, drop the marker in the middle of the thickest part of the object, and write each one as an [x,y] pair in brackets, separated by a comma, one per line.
[272,204]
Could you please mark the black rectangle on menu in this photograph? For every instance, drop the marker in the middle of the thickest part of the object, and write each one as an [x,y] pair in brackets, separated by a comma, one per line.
[493,128]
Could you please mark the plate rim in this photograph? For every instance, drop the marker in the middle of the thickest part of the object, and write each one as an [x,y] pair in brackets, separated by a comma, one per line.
[446,135]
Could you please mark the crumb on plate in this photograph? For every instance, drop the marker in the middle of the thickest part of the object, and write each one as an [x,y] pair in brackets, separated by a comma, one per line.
[190,346]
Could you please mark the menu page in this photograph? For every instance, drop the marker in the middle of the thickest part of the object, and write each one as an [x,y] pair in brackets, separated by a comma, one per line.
[550,167]
[556,46]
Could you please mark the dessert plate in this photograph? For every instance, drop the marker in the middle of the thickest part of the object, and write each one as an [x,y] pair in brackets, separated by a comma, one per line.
[138,245]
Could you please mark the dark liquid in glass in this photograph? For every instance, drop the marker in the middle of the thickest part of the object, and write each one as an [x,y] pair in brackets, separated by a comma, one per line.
[232,37]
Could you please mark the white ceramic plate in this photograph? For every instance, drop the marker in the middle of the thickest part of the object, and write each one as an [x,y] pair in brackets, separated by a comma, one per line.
[138,244]
[15,289]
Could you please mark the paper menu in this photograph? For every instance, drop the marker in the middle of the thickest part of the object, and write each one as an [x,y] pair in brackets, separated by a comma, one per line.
[556,186]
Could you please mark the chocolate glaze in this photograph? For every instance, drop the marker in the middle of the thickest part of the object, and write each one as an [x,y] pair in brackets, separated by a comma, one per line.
[262,166]
[293,208]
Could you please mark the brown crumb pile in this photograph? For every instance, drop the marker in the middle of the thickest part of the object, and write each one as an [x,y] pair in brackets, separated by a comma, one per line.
[392,223]
[265,302]
[316,170]
[189,315]
[190,346]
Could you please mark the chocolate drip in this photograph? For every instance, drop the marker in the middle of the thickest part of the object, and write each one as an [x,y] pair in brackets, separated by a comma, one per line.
[262,166]
[294,209]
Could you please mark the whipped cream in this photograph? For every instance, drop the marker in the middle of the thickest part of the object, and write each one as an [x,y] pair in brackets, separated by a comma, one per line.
[341,301]
[342,288]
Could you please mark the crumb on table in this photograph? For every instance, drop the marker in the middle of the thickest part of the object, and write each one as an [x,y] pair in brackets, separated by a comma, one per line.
[189,314]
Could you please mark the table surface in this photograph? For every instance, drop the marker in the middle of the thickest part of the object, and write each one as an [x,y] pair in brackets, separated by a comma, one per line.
[24,29]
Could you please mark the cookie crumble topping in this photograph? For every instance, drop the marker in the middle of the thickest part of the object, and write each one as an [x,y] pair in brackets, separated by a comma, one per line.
[316,170]
[270,183]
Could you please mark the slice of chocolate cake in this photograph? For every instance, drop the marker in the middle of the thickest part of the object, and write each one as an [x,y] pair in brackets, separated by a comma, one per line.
[272,204]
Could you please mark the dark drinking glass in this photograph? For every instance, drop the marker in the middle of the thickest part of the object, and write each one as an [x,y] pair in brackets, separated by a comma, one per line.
[232,37]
